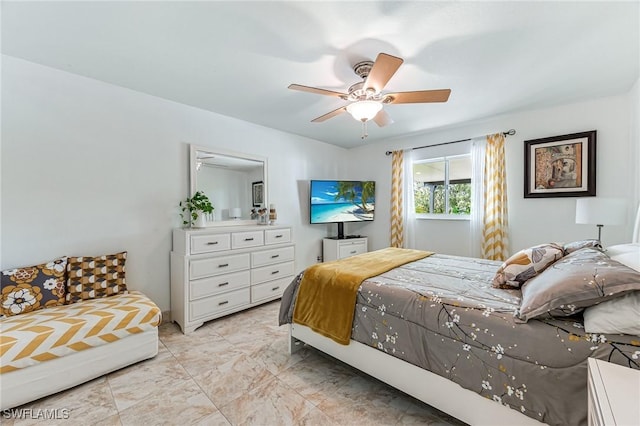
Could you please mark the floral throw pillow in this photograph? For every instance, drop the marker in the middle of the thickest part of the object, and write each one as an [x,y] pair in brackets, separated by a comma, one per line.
[526,264]
[31,288]
[92,277]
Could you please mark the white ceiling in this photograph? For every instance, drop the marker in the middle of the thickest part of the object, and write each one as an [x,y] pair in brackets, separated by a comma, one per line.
[237,58]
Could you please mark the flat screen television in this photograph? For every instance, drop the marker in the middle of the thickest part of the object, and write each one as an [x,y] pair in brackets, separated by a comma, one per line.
[340,201]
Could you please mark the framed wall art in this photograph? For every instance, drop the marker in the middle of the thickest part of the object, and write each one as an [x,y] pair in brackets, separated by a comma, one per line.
[560,166]
[257,192]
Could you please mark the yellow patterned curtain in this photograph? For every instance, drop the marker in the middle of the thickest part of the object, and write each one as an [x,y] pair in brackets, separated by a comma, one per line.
[495,237]
[397,231]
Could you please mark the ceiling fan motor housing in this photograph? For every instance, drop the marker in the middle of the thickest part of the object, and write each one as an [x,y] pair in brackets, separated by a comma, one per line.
[362,69]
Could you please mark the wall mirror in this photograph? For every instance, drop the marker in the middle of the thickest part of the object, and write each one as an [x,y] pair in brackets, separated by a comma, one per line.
[234,182]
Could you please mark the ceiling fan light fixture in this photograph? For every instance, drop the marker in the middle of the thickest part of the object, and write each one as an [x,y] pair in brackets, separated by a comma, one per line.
[364,110]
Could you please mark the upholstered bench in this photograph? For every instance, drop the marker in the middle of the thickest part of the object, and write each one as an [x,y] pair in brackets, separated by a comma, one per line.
[49,350]
[69,321]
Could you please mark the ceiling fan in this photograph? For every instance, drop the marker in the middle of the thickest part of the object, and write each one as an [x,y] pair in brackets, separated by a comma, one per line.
[366,97]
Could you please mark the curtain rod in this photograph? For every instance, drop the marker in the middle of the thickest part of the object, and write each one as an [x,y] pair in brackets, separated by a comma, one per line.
[509,132]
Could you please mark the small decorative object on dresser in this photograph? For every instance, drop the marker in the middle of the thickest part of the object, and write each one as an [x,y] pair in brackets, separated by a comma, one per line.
[193,210]
[219,271]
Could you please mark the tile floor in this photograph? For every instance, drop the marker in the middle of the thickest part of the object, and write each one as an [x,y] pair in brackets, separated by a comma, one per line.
[236,370]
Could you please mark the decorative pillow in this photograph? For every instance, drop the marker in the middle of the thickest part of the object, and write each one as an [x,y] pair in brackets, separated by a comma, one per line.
[94,277]
[33,287]
[577,245]
[526,264]
[617,316]
[584,278]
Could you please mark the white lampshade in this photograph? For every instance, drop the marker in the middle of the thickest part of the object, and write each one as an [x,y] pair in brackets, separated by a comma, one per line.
[364,110]
[235,212]
[601,211]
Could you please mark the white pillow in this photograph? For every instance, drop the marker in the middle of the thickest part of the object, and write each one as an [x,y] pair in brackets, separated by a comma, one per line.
[616,316]
[628,254]
[631,259]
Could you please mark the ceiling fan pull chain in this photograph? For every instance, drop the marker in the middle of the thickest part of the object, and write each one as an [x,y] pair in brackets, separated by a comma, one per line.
[364,129]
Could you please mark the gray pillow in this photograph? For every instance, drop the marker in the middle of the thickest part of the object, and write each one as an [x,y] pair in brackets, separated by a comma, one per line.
[584,278]
[577,245]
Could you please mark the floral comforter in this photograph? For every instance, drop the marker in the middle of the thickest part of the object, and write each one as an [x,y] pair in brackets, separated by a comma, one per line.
[441,313]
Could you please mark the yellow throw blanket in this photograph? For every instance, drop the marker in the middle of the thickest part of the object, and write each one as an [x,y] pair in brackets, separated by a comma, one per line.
[327,295]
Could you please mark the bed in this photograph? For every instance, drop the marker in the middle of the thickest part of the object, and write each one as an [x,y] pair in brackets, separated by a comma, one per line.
[437,329]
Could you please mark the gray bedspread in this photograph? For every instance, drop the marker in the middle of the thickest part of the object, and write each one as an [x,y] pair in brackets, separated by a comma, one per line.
[441,314]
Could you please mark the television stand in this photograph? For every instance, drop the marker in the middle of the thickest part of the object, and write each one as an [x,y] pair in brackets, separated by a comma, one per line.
[339,248]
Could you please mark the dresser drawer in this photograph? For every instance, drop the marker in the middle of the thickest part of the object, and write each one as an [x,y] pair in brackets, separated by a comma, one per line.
[277,236]
[202,268]
[247,239]
[347,250]
[269,257]
[213,305]
[210,243]
[272,272]
[218,284]
[270,290]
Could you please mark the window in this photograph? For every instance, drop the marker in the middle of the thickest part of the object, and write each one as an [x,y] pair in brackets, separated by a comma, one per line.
[442,186]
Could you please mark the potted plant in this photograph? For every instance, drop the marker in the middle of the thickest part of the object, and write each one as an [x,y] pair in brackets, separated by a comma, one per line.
[194,208]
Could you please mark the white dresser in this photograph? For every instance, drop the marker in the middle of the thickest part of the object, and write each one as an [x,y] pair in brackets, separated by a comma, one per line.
[220,270]
[334,249]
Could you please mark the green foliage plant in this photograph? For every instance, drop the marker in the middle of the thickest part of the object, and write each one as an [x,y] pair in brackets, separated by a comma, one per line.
[191,207]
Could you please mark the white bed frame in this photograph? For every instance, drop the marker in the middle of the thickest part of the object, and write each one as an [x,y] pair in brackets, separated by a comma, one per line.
[28,384]
[424,385]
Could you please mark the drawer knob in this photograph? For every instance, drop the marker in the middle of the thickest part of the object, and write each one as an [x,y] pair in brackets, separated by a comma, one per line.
[212,243]
[279,236]
[275,272]
[248,239]
[223,284]
[275,255]
[223,265]
[275,288]
[354,252]
[223,303]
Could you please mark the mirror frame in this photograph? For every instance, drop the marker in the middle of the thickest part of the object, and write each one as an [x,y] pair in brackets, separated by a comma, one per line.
[193,149]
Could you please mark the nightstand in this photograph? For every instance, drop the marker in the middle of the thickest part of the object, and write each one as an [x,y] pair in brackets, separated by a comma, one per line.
[334,249]
[614,394]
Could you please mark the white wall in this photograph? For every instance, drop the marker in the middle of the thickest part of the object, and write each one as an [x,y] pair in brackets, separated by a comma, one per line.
[90,168]
[531,221]
[634,131]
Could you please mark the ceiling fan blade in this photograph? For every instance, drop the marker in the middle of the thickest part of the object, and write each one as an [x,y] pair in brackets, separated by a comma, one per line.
[419,96]
[317,91]
[329,115]
[383,118]
[382,70]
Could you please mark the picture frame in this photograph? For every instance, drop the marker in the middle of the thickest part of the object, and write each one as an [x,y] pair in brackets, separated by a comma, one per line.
[560,166]
[257,193]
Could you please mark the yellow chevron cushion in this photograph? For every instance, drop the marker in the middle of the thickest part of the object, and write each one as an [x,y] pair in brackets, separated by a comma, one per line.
[47,334]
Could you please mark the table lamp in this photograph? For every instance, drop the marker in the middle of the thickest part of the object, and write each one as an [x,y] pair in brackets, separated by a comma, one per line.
[601,211]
